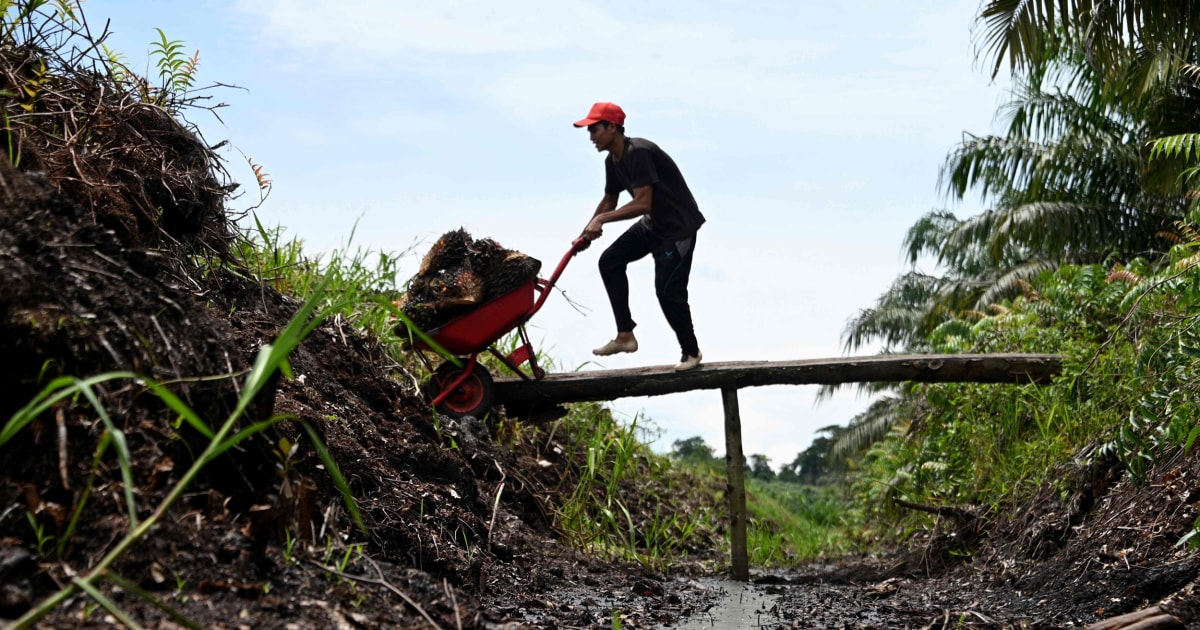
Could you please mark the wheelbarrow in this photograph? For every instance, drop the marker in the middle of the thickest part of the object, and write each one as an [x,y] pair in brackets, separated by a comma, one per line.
[466,388]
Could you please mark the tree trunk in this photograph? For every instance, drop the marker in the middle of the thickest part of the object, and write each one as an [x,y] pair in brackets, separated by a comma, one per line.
[661,379]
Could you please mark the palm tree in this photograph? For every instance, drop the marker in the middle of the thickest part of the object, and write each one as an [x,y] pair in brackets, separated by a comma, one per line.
[1068,182]
[1143,41]
[1098,86]
[1073,189]
[900,318]
[1141,50]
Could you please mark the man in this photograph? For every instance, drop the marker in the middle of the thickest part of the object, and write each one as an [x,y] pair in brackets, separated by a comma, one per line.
[668,219]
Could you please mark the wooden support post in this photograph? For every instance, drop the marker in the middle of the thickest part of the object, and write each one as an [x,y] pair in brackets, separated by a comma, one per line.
[735,473]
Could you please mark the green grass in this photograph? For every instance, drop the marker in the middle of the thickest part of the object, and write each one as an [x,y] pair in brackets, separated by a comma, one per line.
[791,523]
[358,283]
[625,501]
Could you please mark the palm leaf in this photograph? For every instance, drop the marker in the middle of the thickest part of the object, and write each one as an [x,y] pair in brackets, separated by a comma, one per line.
[1185,145]
[1013,281]
[870,426]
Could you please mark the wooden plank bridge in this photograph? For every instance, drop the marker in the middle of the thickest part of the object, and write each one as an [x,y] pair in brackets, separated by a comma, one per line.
[523,396]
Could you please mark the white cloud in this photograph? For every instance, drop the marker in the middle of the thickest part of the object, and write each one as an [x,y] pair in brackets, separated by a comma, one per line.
[479,28]
[542,62]
[393,29]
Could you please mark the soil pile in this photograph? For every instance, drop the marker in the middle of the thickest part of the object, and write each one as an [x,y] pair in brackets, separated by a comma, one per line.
[1104,548]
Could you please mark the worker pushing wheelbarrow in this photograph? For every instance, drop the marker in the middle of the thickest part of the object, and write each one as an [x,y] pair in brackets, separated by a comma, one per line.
[461,386]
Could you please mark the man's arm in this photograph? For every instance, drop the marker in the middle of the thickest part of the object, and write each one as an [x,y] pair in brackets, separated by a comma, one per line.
[607,204]
[607,211]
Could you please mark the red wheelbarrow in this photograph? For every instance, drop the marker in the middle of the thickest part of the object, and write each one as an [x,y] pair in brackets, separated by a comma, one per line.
[467,389]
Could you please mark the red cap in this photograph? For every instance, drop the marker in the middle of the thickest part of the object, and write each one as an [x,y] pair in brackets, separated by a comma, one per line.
[608,112]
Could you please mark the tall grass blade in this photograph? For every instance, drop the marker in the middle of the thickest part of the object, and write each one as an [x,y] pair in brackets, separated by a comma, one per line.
[122,447]
[62,388]
[254,429]
[181,408]
[53,392]
[175,615]
[272,357]
[332,468]
[101,448]
[106,603]
[421,334]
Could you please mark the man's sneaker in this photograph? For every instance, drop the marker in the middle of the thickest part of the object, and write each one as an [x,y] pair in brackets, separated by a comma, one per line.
[615,347]
[689,363]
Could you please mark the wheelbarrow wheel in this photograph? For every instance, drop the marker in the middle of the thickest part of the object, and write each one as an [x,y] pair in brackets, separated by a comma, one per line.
[474,397]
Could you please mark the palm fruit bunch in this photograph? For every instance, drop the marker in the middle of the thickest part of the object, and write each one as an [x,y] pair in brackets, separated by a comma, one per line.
[459,274]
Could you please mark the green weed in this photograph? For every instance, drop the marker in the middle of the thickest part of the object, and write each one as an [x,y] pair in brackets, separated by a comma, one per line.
[794,523]
[176,70]
[289,548]
[41,537]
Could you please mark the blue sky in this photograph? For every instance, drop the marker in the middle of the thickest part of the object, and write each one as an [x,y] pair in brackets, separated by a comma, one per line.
[810,132]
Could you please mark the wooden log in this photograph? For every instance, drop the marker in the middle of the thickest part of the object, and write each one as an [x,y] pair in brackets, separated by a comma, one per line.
[662,379]
[735,472]
[1153,618]
[1160,622]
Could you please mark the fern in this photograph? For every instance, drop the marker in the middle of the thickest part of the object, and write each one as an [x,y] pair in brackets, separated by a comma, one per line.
[176,71]
[33,86]
[116,63]
[66,11]
[1189,232]
[1123,275]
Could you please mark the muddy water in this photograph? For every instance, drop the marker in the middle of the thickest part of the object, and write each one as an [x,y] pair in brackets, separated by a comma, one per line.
[738,605]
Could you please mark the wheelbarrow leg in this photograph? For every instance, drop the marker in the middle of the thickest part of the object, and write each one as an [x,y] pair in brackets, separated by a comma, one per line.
[522,354]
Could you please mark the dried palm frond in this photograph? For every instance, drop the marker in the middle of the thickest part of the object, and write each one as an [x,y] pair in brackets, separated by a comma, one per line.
[1123,275]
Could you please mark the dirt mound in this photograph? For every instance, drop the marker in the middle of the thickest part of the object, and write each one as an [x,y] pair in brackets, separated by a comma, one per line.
[1097,546]
[110,146]
[77,301]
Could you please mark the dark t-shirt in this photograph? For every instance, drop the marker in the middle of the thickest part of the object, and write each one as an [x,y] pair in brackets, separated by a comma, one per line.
[673,211]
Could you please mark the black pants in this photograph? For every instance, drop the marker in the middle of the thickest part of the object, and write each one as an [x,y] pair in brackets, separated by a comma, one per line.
[672,267]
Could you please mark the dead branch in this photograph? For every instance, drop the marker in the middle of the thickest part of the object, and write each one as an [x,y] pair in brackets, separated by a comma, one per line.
[958,513]
[380,581]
